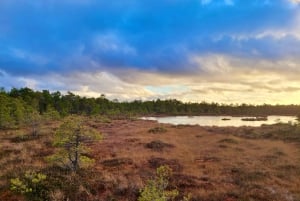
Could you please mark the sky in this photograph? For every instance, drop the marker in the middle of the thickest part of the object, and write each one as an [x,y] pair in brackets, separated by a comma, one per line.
[225,51]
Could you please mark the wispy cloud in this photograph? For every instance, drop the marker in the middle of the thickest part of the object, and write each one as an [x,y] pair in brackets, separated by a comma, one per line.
[191,50]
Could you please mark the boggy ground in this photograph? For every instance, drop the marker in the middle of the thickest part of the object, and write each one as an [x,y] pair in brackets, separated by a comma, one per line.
[211,163]
[205,162]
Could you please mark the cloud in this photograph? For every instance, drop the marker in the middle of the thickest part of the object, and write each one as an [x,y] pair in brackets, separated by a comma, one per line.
[191,50]
[27,56]
[112,43]
[295,1]
[270,82]
[7,81]
[243,80]
[84,84]
[155,36]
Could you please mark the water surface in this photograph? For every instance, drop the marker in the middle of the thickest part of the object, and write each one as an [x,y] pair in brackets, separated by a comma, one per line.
[217,120]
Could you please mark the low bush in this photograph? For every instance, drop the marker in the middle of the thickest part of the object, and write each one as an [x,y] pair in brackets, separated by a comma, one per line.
[31,185]
[157,130]
[117,162]
[158,145]
[157,188]
[229,141]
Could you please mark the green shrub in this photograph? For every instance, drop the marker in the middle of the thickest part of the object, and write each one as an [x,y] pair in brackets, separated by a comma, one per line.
[157,188]
[101,119]
[31,185]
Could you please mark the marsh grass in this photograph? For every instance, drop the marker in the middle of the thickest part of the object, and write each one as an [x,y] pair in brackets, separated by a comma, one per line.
[287,171]
[223,164]
[284,132]
[116,162]
[229,141]
[157,130]
[158,145]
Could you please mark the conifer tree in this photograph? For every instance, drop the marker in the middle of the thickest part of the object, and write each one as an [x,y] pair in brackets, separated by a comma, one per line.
[70,139]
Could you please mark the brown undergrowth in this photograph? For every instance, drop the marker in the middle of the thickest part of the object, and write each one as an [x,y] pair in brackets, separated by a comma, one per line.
[213,164]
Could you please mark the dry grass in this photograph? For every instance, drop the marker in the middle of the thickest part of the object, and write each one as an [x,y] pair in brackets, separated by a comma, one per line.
[210,163]
[212,166]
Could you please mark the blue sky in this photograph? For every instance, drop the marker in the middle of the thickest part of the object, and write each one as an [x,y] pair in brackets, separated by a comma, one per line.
[227,51]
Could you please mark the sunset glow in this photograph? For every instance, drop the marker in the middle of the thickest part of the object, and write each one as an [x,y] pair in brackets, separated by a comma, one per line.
[226,51]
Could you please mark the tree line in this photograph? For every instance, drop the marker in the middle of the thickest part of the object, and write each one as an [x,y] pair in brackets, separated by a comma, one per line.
[17,106]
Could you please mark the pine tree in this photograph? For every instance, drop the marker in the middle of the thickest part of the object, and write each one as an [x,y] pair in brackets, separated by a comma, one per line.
[70,140]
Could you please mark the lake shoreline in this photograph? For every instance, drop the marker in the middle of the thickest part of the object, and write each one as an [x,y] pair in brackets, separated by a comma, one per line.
[223,115]
[222,121]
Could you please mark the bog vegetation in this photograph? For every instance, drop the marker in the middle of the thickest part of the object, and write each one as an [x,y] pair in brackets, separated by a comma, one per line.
[24,106]
[69,139]
[58,130]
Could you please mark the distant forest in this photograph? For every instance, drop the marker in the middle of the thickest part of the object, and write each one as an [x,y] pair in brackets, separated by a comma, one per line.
[17,105]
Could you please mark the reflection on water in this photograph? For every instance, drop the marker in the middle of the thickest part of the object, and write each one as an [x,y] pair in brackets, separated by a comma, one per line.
[221,120]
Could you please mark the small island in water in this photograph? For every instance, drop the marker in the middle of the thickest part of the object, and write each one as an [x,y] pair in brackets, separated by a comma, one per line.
[255,119]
